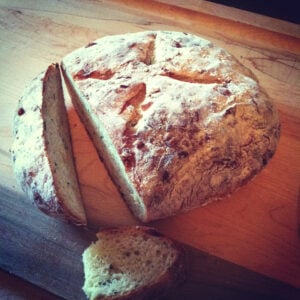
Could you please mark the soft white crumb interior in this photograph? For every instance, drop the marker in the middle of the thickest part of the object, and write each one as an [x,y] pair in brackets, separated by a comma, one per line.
[115,265]
[60,148]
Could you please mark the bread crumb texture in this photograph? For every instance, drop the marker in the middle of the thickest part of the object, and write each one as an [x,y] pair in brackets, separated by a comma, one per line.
[124,261]
[42,156]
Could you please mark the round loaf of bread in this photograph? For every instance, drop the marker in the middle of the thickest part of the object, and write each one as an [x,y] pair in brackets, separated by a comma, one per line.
[177,120]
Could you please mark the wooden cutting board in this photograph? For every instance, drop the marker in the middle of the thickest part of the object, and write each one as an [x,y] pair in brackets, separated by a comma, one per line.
[253,230]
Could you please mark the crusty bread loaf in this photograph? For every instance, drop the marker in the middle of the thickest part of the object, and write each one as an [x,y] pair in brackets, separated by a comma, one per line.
[42,150]
[132,263]
[178,121]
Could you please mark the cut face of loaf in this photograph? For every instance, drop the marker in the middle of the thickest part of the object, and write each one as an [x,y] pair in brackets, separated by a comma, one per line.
[177,120]
[132,263]
[42,150]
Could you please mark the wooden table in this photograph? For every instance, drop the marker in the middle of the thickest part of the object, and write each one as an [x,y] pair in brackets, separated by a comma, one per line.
[244,245]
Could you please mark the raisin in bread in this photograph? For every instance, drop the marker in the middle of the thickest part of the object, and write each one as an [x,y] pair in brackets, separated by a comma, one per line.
[132,263]
[42,150]
[178,121]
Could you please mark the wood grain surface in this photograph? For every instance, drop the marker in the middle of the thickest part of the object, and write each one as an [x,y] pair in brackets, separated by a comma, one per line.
[255,229]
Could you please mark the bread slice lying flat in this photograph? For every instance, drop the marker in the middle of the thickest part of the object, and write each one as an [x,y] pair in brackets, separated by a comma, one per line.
[42,149]
[177,120]
[132,263]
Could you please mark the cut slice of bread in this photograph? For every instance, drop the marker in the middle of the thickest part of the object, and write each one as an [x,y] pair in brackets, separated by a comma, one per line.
[42,150]
[132,263]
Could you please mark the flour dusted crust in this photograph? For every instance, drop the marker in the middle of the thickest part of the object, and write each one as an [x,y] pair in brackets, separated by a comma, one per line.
[177,120]
[47,179]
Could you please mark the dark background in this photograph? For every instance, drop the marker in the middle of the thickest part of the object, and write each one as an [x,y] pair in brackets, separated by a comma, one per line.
[287,10]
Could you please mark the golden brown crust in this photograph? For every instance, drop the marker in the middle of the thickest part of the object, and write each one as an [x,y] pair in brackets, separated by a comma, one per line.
[189,123]
[34,164]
